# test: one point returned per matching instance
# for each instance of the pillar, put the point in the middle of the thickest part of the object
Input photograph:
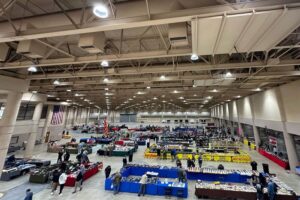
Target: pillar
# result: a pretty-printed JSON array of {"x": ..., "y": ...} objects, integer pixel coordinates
[
  {"x": 66, "y": 116},
  {"x": 74, "y": 116},
  {"x": 35, "y": 127},
  {"x": 7, "y": 123},
  {"x": 88, "y": 116},
  {"x": 255, "y": 131},
  {"x": 288, "y": 139},
  {"x": 47, "y": 122},
  {"x": 240, "y": 129}
]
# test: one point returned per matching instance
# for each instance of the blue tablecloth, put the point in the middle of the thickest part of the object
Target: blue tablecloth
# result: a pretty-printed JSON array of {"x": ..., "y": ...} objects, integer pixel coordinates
[
  {"x": 234, "y": 178},
  {"x": 139, "y": 171},
  {"x": 161, "y": 189},
  {"x": 151, "y": 189}
]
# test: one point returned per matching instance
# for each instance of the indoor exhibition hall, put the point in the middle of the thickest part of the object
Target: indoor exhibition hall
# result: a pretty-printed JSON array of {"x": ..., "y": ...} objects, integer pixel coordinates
[{"x": 149, "y": 99}]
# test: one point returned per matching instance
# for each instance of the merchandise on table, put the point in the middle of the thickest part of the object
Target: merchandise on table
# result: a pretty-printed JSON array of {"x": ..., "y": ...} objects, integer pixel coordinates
[
  {"x": 9, "y": 173},
  {"x": 281, "y": 162},
  {"x": 42, "y": 175},
  {"x": 248, "y": 192}
]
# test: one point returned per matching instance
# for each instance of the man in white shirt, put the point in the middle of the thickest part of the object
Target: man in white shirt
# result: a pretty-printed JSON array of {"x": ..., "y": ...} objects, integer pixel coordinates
[
  {"x": 62, "y": 180},
  {"x": 143, "y": 183}
]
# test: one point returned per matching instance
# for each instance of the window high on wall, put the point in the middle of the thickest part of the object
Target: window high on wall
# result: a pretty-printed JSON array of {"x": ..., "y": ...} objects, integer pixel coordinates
[
  {"x": 2, "y": 107},
  {"x": 26, "y": 111}
]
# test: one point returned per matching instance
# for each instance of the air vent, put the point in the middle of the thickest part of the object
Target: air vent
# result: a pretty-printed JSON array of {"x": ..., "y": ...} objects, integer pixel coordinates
[
  {"x": 92, "y": 42},
  {"x": 31, "y": 49},
  {"x": 178, "y": 34}
]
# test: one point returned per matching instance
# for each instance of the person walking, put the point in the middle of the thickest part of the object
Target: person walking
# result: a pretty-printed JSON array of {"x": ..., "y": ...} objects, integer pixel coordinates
[
  {"x": 60, "y": 155},
  {"x": 200, "y": 160},
  {"x": 178, "y": 163},
  {"x": 55, "y": 178},
  {"x": 107, "y": 171},
  {"x": 271, "y": 190},
  {"x": 259, "y": 192},
  {"x": 29, "y": 195},
  {"x": 67, "y": 156},
  {"x": 130, "y": 156},
  {"x": 143, "y": 183},
  {"x": 158, "y": 151},
  {"x": 124, "y": 161},
  {"x": 62, "y": 180},
  {"x": 79, "y": 181},
  {"x": 181, "y": 175},
  {"x": 116, "y": 182}
]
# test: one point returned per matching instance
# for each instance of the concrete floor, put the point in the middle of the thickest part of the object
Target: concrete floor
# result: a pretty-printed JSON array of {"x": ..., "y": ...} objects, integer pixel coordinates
[{"x": 94, "y": 187}]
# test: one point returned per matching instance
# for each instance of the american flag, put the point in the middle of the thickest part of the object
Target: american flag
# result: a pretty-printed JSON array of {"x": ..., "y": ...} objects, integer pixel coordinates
[
  {"x": 105, "y": 127},
  {"x": 58, "y": 115}
]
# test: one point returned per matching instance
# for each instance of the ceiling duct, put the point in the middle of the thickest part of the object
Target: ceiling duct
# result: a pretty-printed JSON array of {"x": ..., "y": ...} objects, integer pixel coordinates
[
  {"x": 178, "y": 34},
  {"x": 92, "y": 42},
  {"x": 3, "y": 51},
  {"x": 32, "y": 49},
  {"x": 214, "y": 82}
]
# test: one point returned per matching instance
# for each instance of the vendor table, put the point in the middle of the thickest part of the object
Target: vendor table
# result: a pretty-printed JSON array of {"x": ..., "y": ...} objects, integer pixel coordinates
[
  {"x": 222, "y": 194},
  {"x": 8, "y": 174},
  {"x": 274, "y": 158},
  {"x": 151, "y": 189},
  {"x": 232, "y": 178},
  {"x": 89, "y": 173},
  {"x": 97, "y": 140},
  {"x": 139, "y": 171}
]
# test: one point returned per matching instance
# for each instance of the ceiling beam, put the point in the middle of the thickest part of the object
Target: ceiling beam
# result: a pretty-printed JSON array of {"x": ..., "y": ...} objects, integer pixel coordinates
[{"x": 140, "y": 20}]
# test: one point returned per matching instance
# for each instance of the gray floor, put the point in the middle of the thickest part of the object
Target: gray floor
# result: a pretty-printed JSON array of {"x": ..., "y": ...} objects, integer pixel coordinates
[{"x": 94, "y": 187}]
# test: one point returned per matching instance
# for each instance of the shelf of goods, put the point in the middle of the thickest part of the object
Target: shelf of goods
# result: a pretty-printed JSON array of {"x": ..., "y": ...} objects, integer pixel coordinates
[
  {"x": 72, "y": 148},
  {"x": 252, "y": 144},
  {"x": 282, "y": 163},
  {"x": 155, "y": 186},
  {"x": 232, "y": 191},
  {"x": 207, "y": 174},
  {"x": 182, "y": 154}
]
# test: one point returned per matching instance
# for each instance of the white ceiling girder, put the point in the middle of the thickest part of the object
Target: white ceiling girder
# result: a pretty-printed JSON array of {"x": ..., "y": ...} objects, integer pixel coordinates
[
  {"x": 99, "y": 58},
  {"x": 166, "y": 69},
  {"x": 128, "y": 16}
]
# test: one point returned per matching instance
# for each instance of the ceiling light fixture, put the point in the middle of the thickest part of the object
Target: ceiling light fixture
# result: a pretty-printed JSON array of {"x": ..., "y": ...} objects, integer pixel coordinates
[
  {"x": 228, "y": 74},
  {"x": 100, "y": 11},
  {"x": 106, "y": 89},
  {"x": 194, "y": 57},
  {"x": 258, "y": 89},
  {"x": 32, "y": 69},
  {"x": 148, "y": 87},
  {"x": 68, "y": 90},
  {"x": 104, "y": 63},
  {"x": 239, "y": 96},
  {"x": 34, "y": 92},
  {"x": 162, "y": 77},
  {"x": 105, "y": 80},
  {"x": 56, "y": 82},
  {"x": 215, "y": 90}
]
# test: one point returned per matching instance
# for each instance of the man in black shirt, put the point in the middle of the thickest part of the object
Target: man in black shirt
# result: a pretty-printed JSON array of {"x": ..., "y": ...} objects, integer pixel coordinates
[{"x": 79, "y": 181}]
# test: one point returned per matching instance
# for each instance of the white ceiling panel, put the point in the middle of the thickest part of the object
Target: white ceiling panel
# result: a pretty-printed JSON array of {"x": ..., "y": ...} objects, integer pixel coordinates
[
  {"x": 208, "y": 29},
  {"x": 234, "y": 26},
  {"x": 260, "y": 24},
  {"x": 284, "y": 26}
]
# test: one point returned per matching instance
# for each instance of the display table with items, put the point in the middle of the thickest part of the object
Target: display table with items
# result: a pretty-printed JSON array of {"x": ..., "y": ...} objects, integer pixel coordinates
[
  {"x": 208, "y": 174},
  {"x": 97, "y": 140},
  {"x": 115, "y": 150},
  {"x": 42, "y": 175},
  {"x": 71, "y": 147},
  {"x": 233, "y": 191},
  {"x": 14, "y": 167},
  {"x": 157, "y": 182},
  {"x": 252, "y": 143},
  {"x": 90, "y": 170},
  {"x": 282, "y": 163},
  {"x": 237, "y": 157}
]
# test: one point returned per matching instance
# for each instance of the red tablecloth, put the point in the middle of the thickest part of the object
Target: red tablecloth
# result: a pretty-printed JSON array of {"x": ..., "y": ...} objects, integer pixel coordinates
[
  {"x": 89, "y": 173},
  {"x": 120, "y": 142},
  {"x": 278, "y": 161}
]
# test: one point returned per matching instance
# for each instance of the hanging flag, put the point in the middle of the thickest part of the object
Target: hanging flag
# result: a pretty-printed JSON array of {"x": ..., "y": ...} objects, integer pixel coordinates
[
  {"x": 105, "y": 127},
  {"x": 58, "y": 115}
]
